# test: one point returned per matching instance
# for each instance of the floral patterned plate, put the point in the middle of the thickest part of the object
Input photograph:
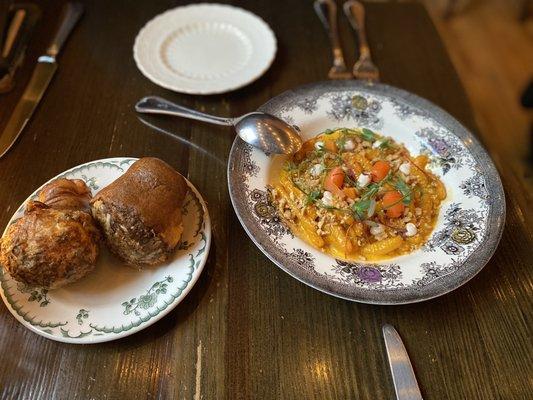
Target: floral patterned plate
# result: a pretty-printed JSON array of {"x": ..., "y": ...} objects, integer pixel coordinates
[
  {"x": 114, "y": 300},
  {"x": 471, "y": 219}
]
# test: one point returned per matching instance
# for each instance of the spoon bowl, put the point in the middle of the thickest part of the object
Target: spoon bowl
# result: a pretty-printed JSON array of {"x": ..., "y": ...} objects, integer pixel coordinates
[
  {"x": 264, "y": 131},
  {"x": 268, "y": 133}
]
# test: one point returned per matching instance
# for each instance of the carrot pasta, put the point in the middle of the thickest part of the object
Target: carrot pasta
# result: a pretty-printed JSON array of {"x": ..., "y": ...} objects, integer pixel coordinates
[{"x": 356, "y": 194}]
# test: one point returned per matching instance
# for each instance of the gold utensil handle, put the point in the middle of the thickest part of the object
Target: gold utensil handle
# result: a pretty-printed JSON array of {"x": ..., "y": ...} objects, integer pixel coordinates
[
  {"x": 355, "y": 12},
  {"x": 327, "y": 12},
  {"x": 71, "y": 14},
  {"x": 13, "y": 31}
]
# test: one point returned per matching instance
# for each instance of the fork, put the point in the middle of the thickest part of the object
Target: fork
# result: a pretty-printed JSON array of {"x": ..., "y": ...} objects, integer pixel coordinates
[
  {"x": 364, "y": 68},
  {"x": 327, "y": 12}
]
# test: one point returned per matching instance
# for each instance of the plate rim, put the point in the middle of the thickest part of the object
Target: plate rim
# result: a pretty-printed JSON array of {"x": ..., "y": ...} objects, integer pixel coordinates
[
  {"x": 179, "y": 89},
  {"x": 108, "y": 337},
  {"x": 497, "y": 206}
]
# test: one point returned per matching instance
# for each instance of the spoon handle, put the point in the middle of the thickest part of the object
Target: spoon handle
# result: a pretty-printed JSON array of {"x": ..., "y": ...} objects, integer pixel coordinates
[{"x": 158, "y": 105}]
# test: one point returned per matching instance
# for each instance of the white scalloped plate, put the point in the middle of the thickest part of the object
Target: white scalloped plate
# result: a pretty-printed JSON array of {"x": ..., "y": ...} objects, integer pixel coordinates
[
  {"x": 204, "y": 48},
  {"x": 114, "y": 300}
]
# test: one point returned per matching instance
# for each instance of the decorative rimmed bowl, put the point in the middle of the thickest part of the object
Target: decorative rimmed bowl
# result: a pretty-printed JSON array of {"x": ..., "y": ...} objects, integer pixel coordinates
[
  {"x": 471, "y": 218},
  {"x": 114, "y": 300}
]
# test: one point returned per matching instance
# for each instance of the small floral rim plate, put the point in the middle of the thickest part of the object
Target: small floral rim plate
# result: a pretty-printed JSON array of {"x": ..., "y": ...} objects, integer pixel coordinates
[
  {"x": 204, "y": 48},
  {"x": 471, "y": 218},
  {"x": 114, "y": 300}
]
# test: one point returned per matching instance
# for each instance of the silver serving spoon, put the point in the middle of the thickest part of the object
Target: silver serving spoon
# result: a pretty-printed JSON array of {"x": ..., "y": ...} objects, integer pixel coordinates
[{"x": 261, "y": 130}]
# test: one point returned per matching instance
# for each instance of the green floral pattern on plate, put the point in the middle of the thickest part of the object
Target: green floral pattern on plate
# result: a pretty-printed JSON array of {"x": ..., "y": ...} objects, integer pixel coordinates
[
  {"x": 147, "y": 300},
  {"x": 84, "y": 326},
  {"x": 36, "y": 294},
  {"x": 82, "y": 314}
]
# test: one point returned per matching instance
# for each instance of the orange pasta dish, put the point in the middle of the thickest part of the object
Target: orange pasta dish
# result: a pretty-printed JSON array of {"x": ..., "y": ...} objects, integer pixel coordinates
[{"x": 355, "y": 194}]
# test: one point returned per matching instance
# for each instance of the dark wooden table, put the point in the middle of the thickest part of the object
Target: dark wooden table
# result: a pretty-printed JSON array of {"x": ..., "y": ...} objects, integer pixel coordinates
[{"x": 247, "y": 329}]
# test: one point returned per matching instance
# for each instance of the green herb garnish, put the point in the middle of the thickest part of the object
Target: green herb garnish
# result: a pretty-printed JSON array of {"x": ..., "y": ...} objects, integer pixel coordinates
[
  {"x": 312, "y": 196},
  {"x": 385, "y": 144},
  {"x": 360, "y": 208},
  {"x": 290, "y": 166},
  {"x": 317, "y": 153},
  {"x": 404, "y": 189},
  {"x": 368, "y": 135},
  {"x": 371, "y": 191},
  {"x": 349, "y": 180},
  {"x": 340, "y": 142}
]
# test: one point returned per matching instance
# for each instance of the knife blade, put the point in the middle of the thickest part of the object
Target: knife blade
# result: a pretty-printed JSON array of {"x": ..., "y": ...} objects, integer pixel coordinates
[
  {"x": 41, "y": 77},
  {"x": 403, "y": 375}
]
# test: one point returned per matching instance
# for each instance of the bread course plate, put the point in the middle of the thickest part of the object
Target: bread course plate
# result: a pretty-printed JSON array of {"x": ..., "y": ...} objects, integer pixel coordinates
[
  {"x": 471, "y": 218},
  {"x": 114, "y": 300}
]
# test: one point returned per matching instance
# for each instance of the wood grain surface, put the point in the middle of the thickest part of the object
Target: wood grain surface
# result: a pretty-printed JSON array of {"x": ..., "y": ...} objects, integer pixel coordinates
[{"x": 248, "y": 330}]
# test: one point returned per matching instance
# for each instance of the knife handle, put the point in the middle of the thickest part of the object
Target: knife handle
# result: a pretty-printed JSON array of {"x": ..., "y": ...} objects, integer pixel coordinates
[
  {"x": 72, "y": 12},
  {"x": 13, "y": 31}
]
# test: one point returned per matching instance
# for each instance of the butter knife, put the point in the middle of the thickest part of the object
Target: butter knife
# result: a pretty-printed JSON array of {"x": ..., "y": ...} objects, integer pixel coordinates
[
  {"x": 40, "y": 79},
  {"x": 403, "y": 376}
]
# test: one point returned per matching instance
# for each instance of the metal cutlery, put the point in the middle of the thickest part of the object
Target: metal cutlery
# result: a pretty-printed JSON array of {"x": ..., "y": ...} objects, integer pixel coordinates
[
  {"x": 11, "y": 35},
  {"x": 21, "y": 19},
  {"x": 327, "y": 12},
  {"x": 261, "y": 130},
  {"x": 403, "y": 376},
  {"x": 13, "y": 30},
  {"x": 42, "y": 75},
  {"x": 364, "y": 68}
]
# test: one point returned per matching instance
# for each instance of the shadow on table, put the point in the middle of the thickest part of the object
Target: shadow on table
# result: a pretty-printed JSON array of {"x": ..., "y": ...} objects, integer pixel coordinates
[{"x": 162, "y": 125}]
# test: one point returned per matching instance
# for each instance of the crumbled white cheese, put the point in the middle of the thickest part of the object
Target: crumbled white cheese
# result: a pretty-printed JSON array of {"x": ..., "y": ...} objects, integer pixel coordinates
[
  {"x": 319, "y": 145},
  {"x": 349, "y": 145},
  {"x": 376, "y": 144},
  {"x": 327, "y": 198},
  {"x": 411, "y": 229},
  {"x": 316, "y": 169},
  {"x": 363, "y": 180},
  {"x": 405, "y": 168},
  {"x": 377, "y": 230}
]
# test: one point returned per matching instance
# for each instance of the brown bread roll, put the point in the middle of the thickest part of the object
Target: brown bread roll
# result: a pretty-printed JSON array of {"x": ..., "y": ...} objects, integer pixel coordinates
[
  {"x": 140, "y": 212},
  {"x": 54, "y": 243},
  {"x": 66, "y": 194}
]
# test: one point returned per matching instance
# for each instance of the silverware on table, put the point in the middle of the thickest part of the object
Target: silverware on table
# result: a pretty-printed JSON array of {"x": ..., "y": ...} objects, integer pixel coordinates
[
  {"x": 327, "y": 12},
  {"x": 364, "y": 68},
  {"x": 40, "y": 79},
  {"x": 12, "y": 32},
  {"x": 20, "y": 20},
  {"x": 261, "y": 130},
  {"x": 403, "y": 376},
  {"x": 14, "y": 28}
]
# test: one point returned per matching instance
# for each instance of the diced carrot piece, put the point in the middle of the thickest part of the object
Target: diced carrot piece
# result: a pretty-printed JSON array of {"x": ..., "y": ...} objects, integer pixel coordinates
[
  {"x": 379, "y": 171},
  {"x": 334, "y": 181},
  {"x": 330, "y": 145},
  {"x": 392, "y": 203},
  {"x": 335, "y": 177},
  {"x": 350, "y": 192}
]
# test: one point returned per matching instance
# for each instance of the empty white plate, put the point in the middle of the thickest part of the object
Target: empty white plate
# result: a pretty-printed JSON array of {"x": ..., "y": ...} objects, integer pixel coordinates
[{"x": 204, "y": 48}]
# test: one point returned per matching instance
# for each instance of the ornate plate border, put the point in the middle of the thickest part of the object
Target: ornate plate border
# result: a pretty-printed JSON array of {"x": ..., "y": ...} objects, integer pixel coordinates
[
  {"x": 96, "y": 333},
  {"x": 290, "y": 262}
]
